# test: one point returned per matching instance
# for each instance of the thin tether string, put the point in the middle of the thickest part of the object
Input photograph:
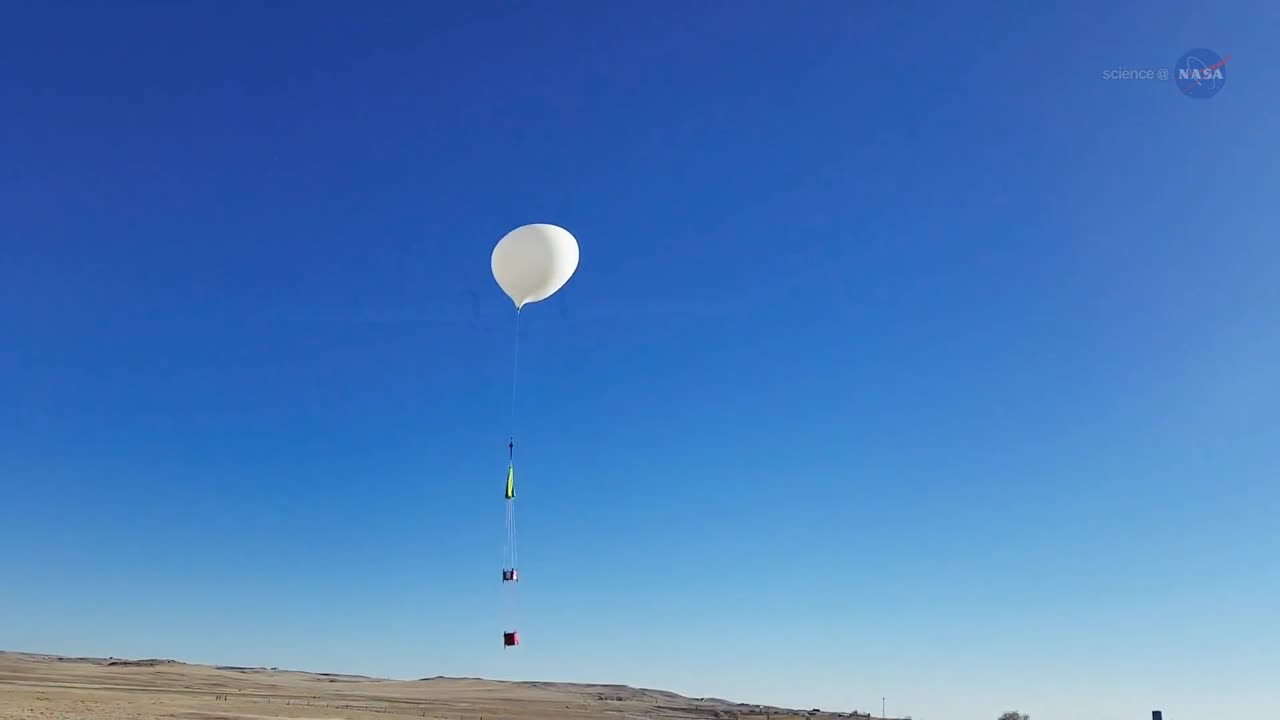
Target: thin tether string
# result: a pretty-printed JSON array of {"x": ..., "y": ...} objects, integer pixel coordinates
[
  {"x": 511, "y": 442},
  {"x": 515, "y": 376},
  {"x": 510, "y": 559}
]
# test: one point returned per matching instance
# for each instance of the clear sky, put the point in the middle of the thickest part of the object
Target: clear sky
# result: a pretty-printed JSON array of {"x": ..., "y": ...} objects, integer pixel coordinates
[{"x": 907, "y": 356}]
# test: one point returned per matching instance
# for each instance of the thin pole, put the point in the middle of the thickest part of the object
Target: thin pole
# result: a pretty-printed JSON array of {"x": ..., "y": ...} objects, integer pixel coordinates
[{"x": 882, "y": 715}]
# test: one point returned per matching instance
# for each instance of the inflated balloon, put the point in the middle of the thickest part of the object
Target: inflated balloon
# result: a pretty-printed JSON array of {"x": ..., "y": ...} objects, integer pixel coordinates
[{"x": 532, "y": 262}]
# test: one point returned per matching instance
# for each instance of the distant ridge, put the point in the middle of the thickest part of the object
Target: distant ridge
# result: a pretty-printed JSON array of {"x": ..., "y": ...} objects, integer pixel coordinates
[
  {"x": 445, "y": 689},
  {"x": 150, "y": 662}
]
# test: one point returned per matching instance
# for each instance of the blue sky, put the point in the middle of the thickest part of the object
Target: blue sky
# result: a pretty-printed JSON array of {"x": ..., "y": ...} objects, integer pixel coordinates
[{"x": 907, "y": 357}]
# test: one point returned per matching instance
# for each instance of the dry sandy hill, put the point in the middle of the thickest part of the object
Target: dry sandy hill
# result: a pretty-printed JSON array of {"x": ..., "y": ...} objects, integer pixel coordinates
[{"x": 48, "y": 686}]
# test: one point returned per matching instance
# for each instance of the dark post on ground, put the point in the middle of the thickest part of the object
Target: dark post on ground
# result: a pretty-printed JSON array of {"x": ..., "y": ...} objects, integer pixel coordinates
[{"x": 1157, "y": 715}]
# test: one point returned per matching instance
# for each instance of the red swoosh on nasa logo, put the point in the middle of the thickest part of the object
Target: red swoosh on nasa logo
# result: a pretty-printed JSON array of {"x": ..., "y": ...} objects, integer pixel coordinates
[{"x": 1214, "y": 66}]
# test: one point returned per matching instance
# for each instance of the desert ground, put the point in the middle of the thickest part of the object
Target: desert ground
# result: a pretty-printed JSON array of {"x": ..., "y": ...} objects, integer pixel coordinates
[{"x": 53, "y": 687}]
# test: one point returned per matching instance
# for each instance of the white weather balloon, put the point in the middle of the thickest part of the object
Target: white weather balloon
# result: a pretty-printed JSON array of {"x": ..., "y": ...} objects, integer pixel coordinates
[{"x": 532, "y": 262}]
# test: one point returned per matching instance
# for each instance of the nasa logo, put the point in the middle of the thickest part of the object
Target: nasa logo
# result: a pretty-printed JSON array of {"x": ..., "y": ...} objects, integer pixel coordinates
[{"x": 1200, "y": 73}]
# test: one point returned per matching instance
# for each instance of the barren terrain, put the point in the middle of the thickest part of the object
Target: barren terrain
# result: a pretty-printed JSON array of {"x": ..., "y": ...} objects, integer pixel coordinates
[{"x": 46, "y": 686}]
